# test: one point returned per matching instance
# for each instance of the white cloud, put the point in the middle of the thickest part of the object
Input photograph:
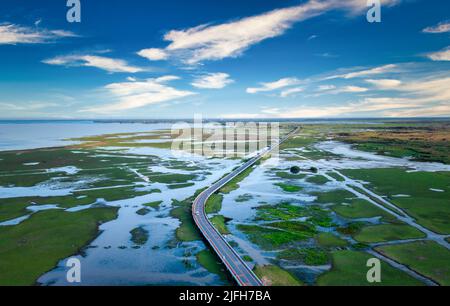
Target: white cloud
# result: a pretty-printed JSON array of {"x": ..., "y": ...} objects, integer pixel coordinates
[
  {"x": 385, "y": 83},
  {"x": 360, "y": 6},
  {"x": 63, "y": 33},
  {"x": 364, "y": 73},
  {"x": 271, "y": 111},
  {"x": 213, "y": 81},
  {"x": 326, "y": 87},
  {"x": 216, "y": 42},
  {"x": 12, "y": 34},
  {"x": 291, "y": 92},
  {"x": 350, "y": 89},
  {"x": 333, "y": 90},
  {"x": 443, "y": 55},
  {"x": 101, "y": 62},
  {"x": 426, "y": 90},
  {"x": 282, "y": 83},
  {"x": 136, "y": 94},
  {"x": 441, "y": 110},
  {"x": 442, "y": 27},
  {"x": 153, "y": 54}
]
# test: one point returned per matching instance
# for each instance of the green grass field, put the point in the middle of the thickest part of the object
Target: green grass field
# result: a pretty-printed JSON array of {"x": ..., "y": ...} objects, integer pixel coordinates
[
  {"x": 211, "y": 263},
  {"x": 214, "y": 204},
  {"x": 429, "y": 207},
  {"x": 34, "y": 247},
  {"x": 360, "y": 208},
  {"x": 387, "y": 232},
  {"x": 426, "y": 257},
  {"x": 275, "y": 276},
  {"x": 317, "y": 179},
  {"x": 307, "y": 256},
  {"x": 220, "y": 223},
  {"x": 350, "y": 269},
  {"x": 337, "y": 196},
  {"x": 270, "y": 239},
  {"x": 187, "y": 231},
  {"x": 329, "y": 240}
]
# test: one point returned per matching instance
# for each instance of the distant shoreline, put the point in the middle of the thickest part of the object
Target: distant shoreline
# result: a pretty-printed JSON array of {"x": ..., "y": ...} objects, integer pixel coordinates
[{"x": 154, "y": 121}]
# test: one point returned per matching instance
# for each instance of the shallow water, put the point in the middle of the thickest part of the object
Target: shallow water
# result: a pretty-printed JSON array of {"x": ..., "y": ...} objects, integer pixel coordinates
[
  {"x": 21, "y": 136},
  {"x": 113, "y": 259},
  {"x": 355, "y": 159}
]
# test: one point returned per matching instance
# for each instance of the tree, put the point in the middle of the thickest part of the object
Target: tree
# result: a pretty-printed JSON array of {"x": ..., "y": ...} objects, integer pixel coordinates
[{"x": 295, "y": 170}]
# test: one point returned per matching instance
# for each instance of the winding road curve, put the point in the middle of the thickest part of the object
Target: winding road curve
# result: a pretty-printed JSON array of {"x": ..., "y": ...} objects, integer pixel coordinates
[{"x": 234, "y": 263}]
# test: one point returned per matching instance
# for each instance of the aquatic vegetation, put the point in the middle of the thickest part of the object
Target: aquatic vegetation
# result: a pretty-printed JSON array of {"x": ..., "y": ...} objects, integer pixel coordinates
[
  {"x": 154, "y": 205},
  {"x": 289, "y": 188},
  {"x": 143, "y": 211},
  {"x": 139, "y": 236},
  {"x": 247, "y": 258},
  {"x": 214, "y": 204},
  {"x": 307, "y": 256},
  {"x": 181, "y": 186},
  {"x": 171, "y": 178},
  {"x": 329, "y": 240},
  {"x": 318, "y": 179},
  {"x": 220, "y": 222},
  {"x": 270, "y": 239},
  {"x": 244, "y": 198},
  {"x": 111, "y": 194},
  {"x": 282, "y": 211},
  {"x": 211, "y": 263},
  {"x": 287, "y": 175}
]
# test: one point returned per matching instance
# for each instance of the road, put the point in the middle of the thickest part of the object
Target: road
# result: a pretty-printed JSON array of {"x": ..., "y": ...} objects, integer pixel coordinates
[{"x": 234, "y": 263}]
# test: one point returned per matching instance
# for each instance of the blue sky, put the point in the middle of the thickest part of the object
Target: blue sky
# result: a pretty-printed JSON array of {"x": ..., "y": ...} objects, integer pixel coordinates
[{"x": 224, "y": 59}]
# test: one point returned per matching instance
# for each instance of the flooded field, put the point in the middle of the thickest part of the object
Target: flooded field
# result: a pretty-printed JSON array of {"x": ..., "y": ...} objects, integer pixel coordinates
[{"x": 121, "y": 201}]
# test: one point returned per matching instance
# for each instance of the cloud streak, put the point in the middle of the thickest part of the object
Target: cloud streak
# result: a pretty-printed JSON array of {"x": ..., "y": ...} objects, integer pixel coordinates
[
  {"x": 443, "y": 55},
  {"x": 271, "y": 86},
  {"x": 443, "y": 27},
  {"x": 229, "y": 40},
  {"x": 137, "y": 94},
  {"x": 12, "y": 34},
  {"x": 213, "y": 81},
  {"x": 364, "y": 73},
  {"x": 111, "y": 65}
]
